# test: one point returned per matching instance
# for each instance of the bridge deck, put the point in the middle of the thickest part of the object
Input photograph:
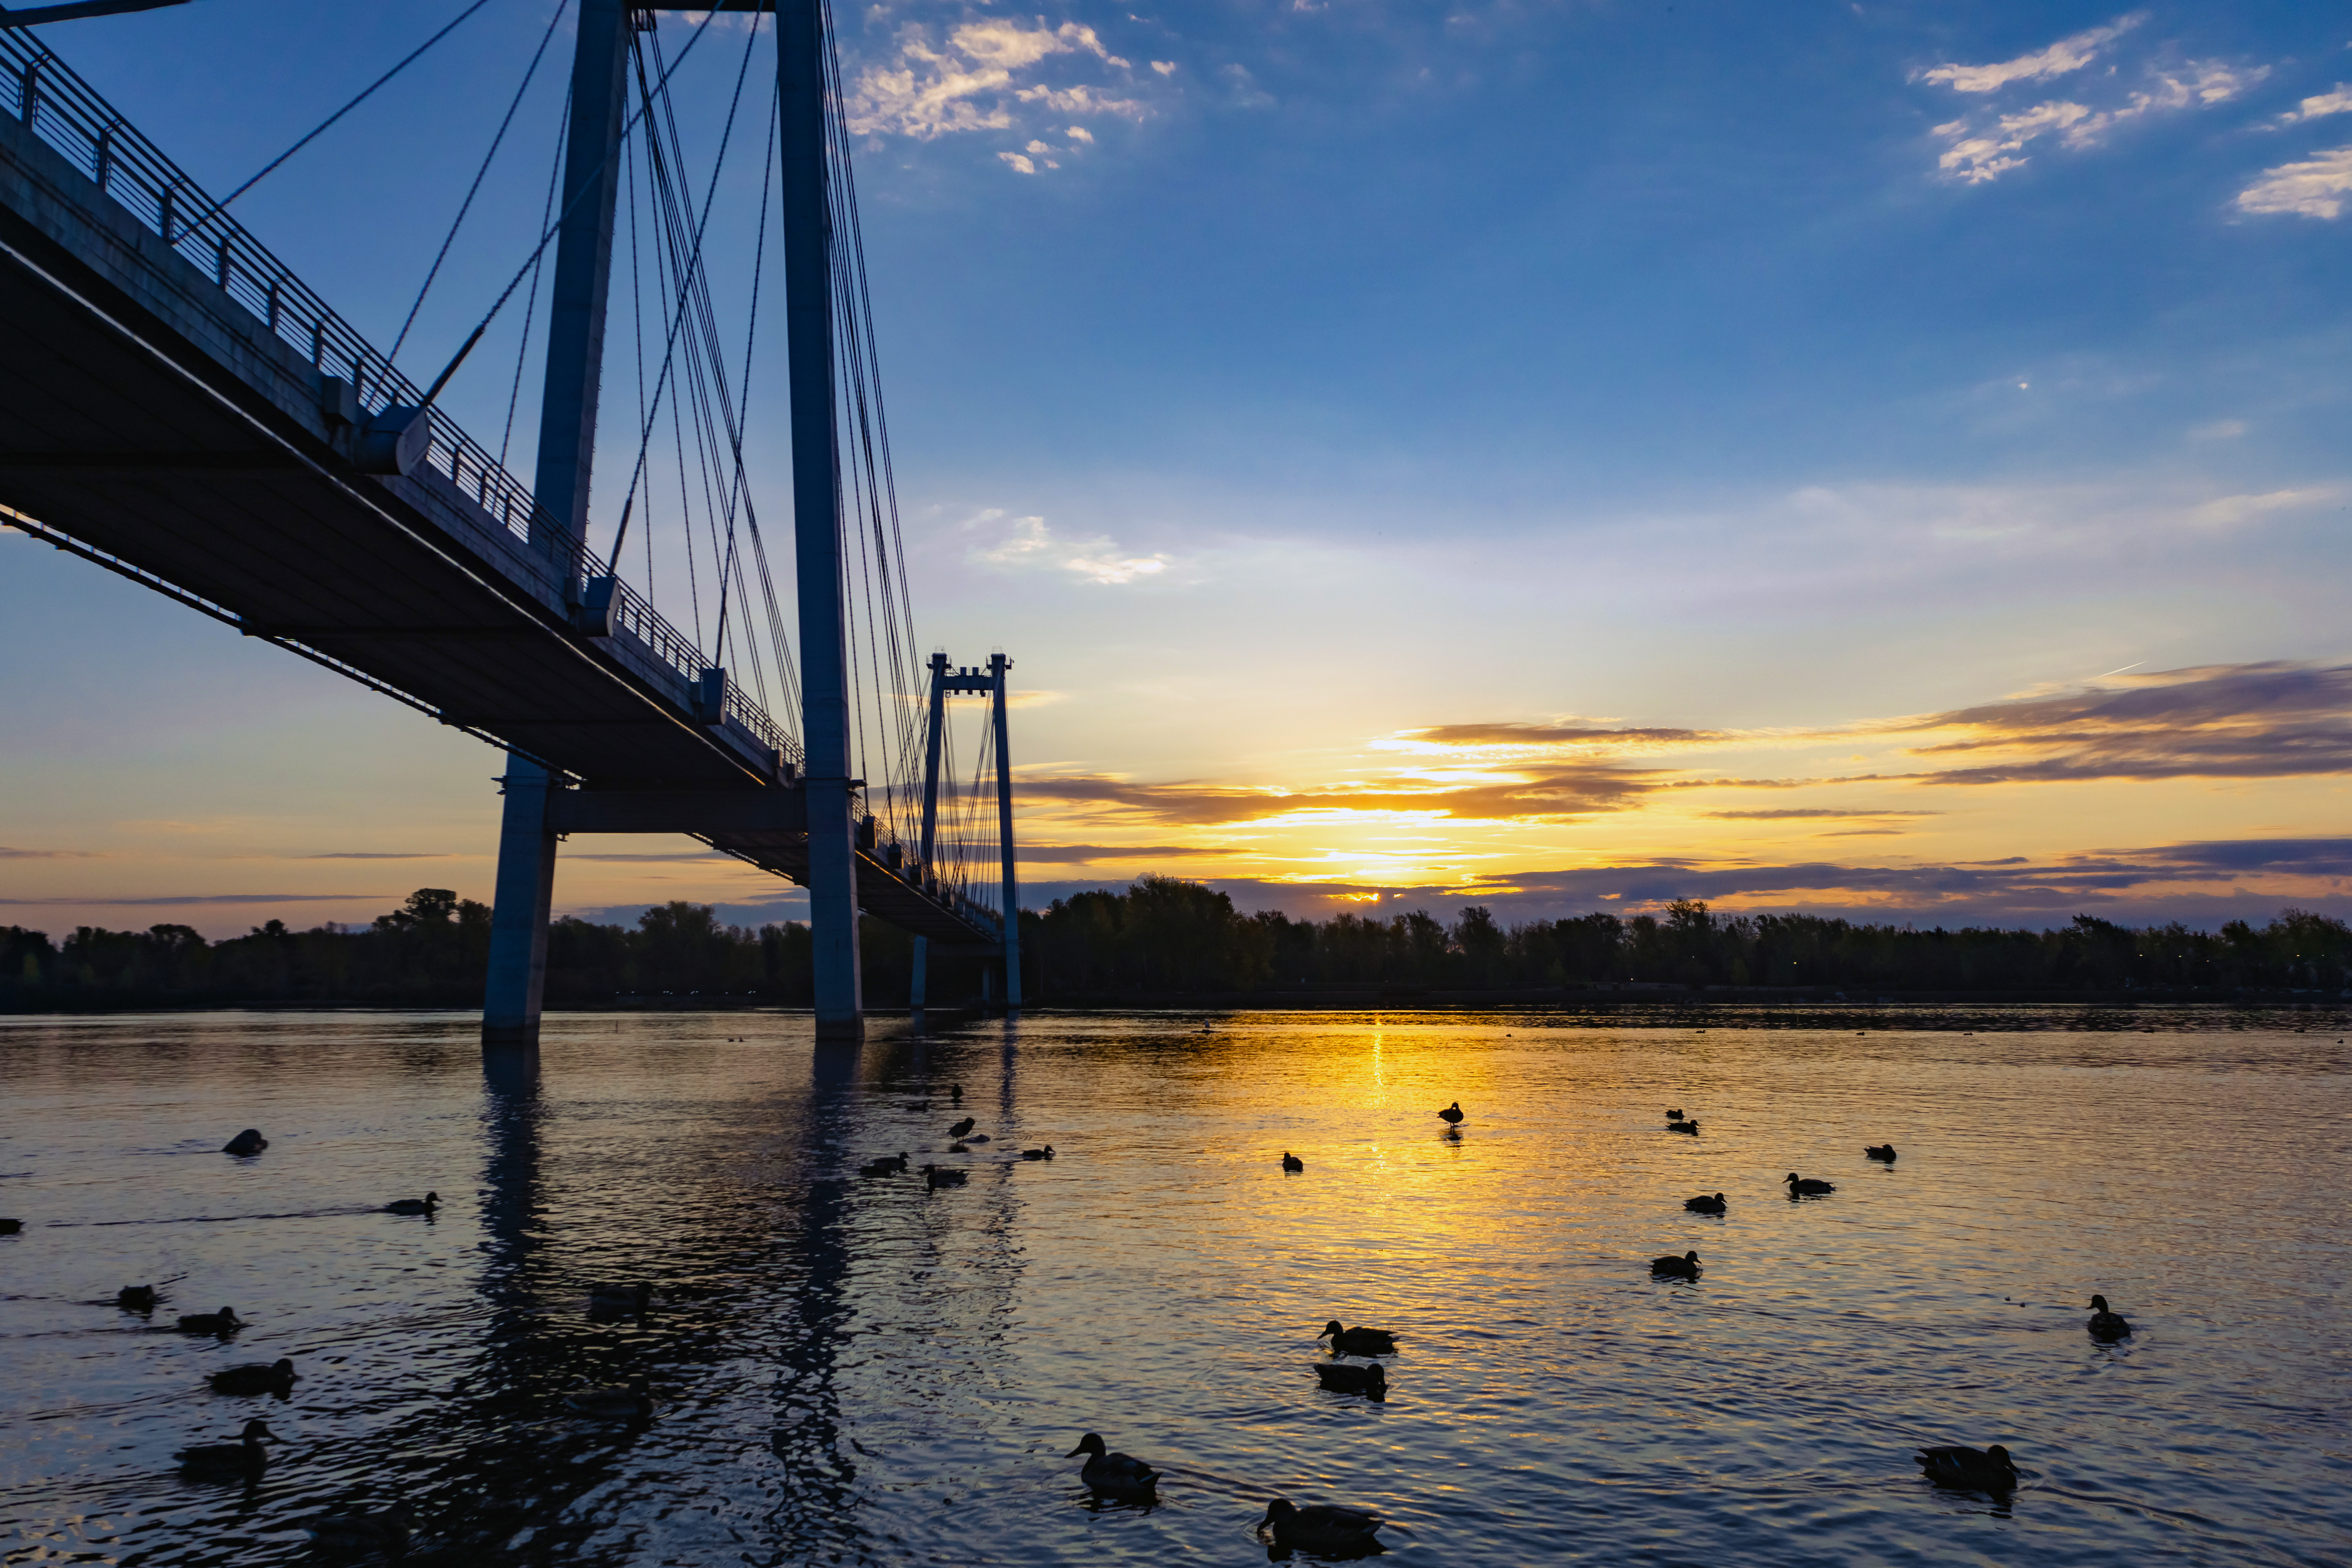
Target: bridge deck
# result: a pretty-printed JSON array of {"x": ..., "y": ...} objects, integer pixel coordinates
[{"x": 150, "y": 417}]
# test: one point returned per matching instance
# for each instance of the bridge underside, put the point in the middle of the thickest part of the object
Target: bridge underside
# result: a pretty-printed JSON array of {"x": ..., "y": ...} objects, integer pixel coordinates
[{"x": 164, "y": 429}]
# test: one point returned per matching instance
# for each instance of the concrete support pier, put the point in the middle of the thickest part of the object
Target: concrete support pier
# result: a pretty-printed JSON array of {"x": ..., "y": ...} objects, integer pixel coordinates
[{"x": 526, "y": 891}]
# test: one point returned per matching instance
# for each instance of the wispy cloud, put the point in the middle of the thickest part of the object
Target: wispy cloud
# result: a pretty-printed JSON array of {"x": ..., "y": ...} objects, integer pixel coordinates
[
  {"x": 1804, "y": 814},
  {"x": 971, "y": 78},
  {"x": 1125, "y": 854},
  {"x": 2337, "y": 100},
  {"x": 8, "y": 854},
  {"x": 2315, "y": 187},
  {"x": 384, "y": 855},
  {"x": 2061, "y": 59},
  {"x": 1028, "y": 544}
]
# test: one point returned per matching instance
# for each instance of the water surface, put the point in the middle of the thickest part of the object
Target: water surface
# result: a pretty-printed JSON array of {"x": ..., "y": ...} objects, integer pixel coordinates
[{"x": 855, "y": 1369}]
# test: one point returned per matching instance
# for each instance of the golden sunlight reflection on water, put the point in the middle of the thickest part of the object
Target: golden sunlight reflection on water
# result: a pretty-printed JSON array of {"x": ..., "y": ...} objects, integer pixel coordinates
[{"x": 856, "y": 1369}]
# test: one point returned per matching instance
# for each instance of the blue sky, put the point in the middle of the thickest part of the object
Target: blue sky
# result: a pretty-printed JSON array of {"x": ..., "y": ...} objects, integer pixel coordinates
[{"x": 1295, "y": 389}]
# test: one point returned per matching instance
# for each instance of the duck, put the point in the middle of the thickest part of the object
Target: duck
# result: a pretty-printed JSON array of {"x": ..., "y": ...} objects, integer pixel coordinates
[
  {"x": 253, "y": 1377},
  {"x": 631, "y": 1404},
  {"x": 633, "y": 1298},
  {"x": 2104, "y": 1324},
  {"x": 887, "y": 1165},
  {"x": 961, "y": 1128},
  {"x": 243, "y": 1457},
  {"x": 1806, "y": 1186},
  {"x": 1704, "y": 1205},
  {"x": 1880, "y": 1151},
  {"x": 1348, "y": 1377},
  {"x": 1675, "y": 1114},
  {"x": 1980, "y": 1470},
  {"x": 362, "y": 1531},
  {"x": 11, "y": 1226},
  {"x": 938, "y": 1176},
  {"x": 1689, "y": 1127},
  {"x": 249, "y": 1141},
  {"x": 224, "y": 1322},
  {"x": 955, "y": 1092},
  {"x": 1319, "y": 1527},
  {"x": 1359, "y": 1342},
  {"x": 1108, "y": 1472},
  {"x": 1045, "y": 1154},
  {"x": 1683, "y": 1267},
  {"x": 1291, "y": 1162},
  {"x": 423, "y": 1205},
  {"x": 136, "y": 1298},
  {"x": 1452, "y": 1114}
]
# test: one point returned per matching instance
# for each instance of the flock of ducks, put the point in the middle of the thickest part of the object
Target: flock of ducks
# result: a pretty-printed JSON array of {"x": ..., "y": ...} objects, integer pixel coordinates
[{"x": 1989, "y": 1470}]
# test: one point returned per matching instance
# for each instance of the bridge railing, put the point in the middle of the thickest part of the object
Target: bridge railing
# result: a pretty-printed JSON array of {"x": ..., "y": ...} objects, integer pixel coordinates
[{"x": 57, "y": 106}]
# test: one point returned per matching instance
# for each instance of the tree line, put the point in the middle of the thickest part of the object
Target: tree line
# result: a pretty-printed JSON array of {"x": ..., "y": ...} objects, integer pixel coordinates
[{"x": 1163, "y": 937}]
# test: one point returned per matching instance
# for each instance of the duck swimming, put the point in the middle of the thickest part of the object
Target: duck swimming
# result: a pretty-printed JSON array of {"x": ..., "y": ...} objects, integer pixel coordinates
[
  {"x": 938, "y": 1176},
  {"x": 887, "y": 1165},
  {"x": 631, "y": 1404},
  {"x": 1806, "y": 1186},
  {"x": 361, "y": 1531},
  {"x": 249, "y": 1141},
  {"x": 1976, "y": 1469},
  {"x": 244, "y": 1457},
  {"x": 136, "y": 1298},
  {"x": 224, "y": 1322},
  {"x": 1108, "y": 1472},
  {"x": 1359, "y": 1342},
  {"x": 253, "y": 1377},
  {"x": 2104, "y": 1324},
  {"x": 1673, "y": 1268},
  {"x": 1349, "y": 1378},
  {"x": 1689, "y": 1127},
  {"x": 423, "y": 1205},
  {"x": 1452, "y": 1114},
  {"x": 1881, "y": 1152},
  {"x": 1045, "y": 1154},
  {"x": 961, "y": 1128},
  {"x": 1704, "y": 1205},
  {"x": 1291, "y": 1162},
  {"x": 1319, "y": 1527},
  {"x": 11, "y": 1226},
  {"x": 1675, "y": 1114}
]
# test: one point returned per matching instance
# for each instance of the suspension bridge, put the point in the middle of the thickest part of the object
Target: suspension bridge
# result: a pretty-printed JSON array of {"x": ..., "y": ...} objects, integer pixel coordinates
[{"x": 178, "y": 407}]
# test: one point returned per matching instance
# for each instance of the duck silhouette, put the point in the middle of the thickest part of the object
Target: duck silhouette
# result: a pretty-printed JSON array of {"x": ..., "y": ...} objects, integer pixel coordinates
[
  {"x": 1673, "y": 1268},
  {"x": 136, "y": 1298},
  {"x": 255, "y": 1377},
  {"x": 1689, "y": 1127},
  {"x": 1108, "y": 1472},
  {"x": 2104, "y": 1324},
  {"x": 423, "y": 1205},
  {"x": 1881, "y": 1152},
  {"x": 1807, "y": 1187},
  {"x": 1975, "y": 1469},
  {"x": 1319, "y": 1527},
  {"x": 633, "y": 1403},
  {"x": 1704, "y": 1205},
  {"x": 1291, "y": 1162},
  {"x": 1675, "y": 1114},
  {"x": 11, "y": 1226},
  {"x": 1045, "y": 1154},
  {"x": 224, "y": 1322},
  {"x": 1358, "y": 1341},
  {"x": 241, "y": 1457},
  {"x": 961, "y": 1128},
  {"x": 938, "y": 1176},
  {"x": 887, "y": 1165},
  {"x": 1350, "y": 1377},
  {"x": 249, "y": 1141},
  {"x": 1452, "y": 1114}
]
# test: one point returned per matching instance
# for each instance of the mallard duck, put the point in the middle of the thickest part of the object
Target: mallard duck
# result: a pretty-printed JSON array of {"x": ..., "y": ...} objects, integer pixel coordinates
[
  {"x": 361, "y": 1531},
  {"x": 1349, "y": 1378},
  {"x": 1704, "y": 1205},
  {"x": 1806, "y": 1186},
  {"x": 1452, "y": 1114},
  {"x": 631, "y": 1404},
  {"x": 1881, "y": 1152},
  {"x": 253, "y": 1377},
  {"x": 938, "y": 1176},
  {"x": 136, "y": 1298},
  {"x": 1319, "y": 1527},
  {"x": 1683, "y": 1267},
  {"x": 620, "y": 1298},
  {"x": 2104, "y": 1324},
  {"x": 249, "y": 1141},
  {"x": 1108, "y": 1472},
  {"x": 1675, "y": 1114},
  {"x": 423, "y": 1205},
  {"x": 1291, "y": 1162},
  {"x": 243, "y": 1458},
  {"x": 1045, "y": 1154},
  {"x": 887, "y": 1165},
  {"x": 224, "y": 1322},
  {"x": 1978, "y": 1470},
  {"x": 1358, "y": 1341},
  {"x": 961, "y": 1128},
  {"x": 1689, "y": 1127}
]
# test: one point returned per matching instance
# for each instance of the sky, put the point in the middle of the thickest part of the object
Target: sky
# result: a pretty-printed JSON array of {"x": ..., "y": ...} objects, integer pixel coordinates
[{"x": 1879, "y": 458}]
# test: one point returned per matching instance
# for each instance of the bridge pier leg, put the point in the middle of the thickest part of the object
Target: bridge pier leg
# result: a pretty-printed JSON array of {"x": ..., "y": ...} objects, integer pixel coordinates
[
  {"x": 525, "y": 893},
  {"x": 922, "y": 962}
]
